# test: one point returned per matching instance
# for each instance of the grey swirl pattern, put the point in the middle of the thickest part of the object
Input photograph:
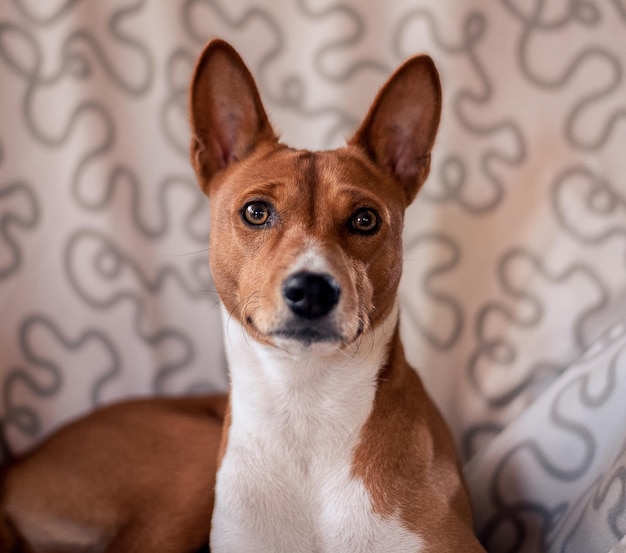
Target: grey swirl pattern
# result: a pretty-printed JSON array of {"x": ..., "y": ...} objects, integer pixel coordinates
[
  {"x": 515, "y": 251},
  {"x": 577, "y": 490},
  {"x": 49, "y": 380},
  {"x": 19, "y": 212}
]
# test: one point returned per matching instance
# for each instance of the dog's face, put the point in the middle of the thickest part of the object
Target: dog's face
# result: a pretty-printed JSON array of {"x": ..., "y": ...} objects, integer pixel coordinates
[{"x": 306, "y": 246}]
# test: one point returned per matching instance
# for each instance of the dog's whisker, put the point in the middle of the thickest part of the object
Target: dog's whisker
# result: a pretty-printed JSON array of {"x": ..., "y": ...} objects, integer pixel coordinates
[
  {"x": 230, "y": 317},
  {"x": 201, "y": 291},
  {"x": 186, "y": 254}
]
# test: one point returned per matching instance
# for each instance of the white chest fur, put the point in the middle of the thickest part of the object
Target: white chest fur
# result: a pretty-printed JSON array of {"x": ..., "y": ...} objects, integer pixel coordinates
[{"x": 285, "y": 484}]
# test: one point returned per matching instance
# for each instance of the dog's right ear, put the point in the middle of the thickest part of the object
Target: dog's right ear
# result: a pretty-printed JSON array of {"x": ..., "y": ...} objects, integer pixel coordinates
[
  {"x": 227, "y": 117},
  {"x": 399, "y": 131}
]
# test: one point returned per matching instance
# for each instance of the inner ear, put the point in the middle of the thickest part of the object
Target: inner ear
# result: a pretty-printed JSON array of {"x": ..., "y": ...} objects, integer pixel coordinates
[
  {"x": 399, "y": 131},
  {"x": 227, "y": 116}
]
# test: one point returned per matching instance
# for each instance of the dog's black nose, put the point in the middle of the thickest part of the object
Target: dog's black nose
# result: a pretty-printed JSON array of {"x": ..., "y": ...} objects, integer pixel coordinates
[{"x": 311, "y": 295}]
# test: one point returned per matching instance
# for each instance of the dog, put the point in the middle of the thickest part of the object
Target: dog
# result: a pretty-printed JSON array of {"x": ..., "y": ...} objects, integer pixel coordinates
[
  {"x": 331, "y": 443},
  {"x": 135, "y": 476}
]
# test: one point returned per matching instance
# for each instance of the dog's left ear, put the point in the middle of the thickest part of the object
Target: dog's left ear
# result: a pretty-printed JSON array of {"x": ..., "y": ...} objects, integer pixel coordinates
[
  {"x": 399, "y": 130},
  {"x": 227, "y": 116}
]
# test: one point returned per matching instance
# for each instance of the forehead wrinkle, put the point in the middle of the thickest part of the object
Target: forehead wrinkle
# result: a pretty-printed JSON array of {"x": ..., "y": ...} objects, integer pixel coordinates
[
  {"x": 274, "y": 176},
  {"x": 308, "y": 187},
  {"x": 340, "y": 184},
  {"x": 327, "y": 192}
]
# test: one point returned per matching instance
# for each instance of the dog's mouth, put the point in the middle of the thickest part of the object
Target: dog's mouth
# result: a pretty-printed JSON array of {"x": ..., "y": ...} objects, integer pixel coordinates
[{"x": 306, "y": 334}]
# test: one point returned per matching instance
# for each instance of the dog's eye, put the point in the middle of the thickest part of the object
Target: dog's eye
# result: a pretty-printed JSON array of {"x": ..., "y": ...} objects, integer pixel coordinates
[
  {"x": 256, "y": 213},
  {"x": 365, "y": 221}
]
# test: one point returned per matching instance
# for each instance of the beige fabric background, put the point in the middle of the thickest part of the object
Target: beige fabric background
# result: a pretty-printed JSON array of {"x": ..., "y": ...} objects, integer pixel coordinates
[{"x": 515, "y": 257}]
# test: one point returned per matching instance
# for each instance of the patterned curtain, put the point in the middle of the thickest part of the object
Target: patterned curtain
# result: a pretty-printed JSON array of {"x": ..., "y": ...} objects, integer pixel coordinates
[{"x": 514, "y": 289}]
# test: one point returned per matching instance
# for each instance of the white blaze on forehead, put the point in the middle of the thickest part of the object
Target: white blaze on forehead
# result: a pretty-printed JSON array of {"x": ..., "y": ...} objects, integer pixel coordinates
[{"x": 312, "y": 259}]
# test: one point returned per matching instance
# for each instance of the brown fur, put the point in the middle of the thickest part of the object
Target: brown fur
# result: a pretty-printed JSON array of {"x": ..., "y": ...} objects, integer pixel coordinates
[
  {"x": 139, "y": 476},
  {"x": 406, "y": 452},
  {"x": 134, "y": 476},
  {"x": 253, "y": 295},
  {"x": 406, "y": 456}
]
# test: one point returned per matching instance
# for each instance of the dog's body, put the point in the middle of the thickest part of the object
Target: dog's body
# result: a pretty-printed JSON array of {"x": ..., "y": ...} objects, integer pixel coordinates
[
  {"x": 332, "y": 444},
  {"x": 132, "y": 477}
]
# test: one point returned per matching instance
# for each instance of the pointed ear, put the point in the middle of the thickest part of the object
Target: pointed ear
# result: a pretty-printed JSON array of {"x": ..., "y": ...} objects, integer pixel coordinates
[
  {"x": 399, "y": 130},
  {"x": 227, "y": 117}
]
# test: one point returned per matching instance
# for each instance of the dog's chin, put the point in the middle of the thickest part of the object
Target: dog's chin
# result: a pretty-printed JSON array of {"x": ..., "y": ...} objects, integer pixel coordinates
[
  {"x": 306, "y": 348},
  {"x": 307, "y": 342}
]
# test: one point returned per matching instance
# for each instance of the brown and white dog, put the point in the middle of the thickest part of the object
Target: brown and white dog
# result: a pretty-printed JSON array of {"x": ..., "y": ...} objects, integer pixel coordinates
[
  {"x": 331, "y": 444},
  {"x": 134, "y": 477}
]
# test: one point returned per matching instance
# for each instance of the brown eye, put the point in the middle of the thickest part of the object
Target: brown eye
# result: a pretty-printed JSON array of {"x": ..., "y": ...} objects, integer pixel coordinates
[
  {"x": 365, "y": 221},
  {"x": 256, "y": 213}
]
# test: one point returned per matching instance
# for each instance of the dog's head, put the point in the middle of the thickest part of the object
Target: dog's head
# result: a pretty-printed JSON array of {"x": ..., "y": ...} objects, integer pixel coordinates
[{"x": 305, "y": 247}]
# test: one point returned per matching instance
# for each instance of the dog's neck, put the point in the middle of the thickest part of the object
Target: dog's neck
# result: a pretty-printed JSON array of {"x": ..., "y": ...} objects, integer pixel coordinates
[{"x": 305, "y": 396}]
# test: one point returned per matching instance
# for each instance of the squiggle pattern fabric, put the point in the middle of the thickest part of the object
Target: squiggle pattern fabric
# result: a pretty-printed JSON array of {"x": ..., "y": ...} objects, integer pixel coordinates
[{"x": 514, "y": 289}]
